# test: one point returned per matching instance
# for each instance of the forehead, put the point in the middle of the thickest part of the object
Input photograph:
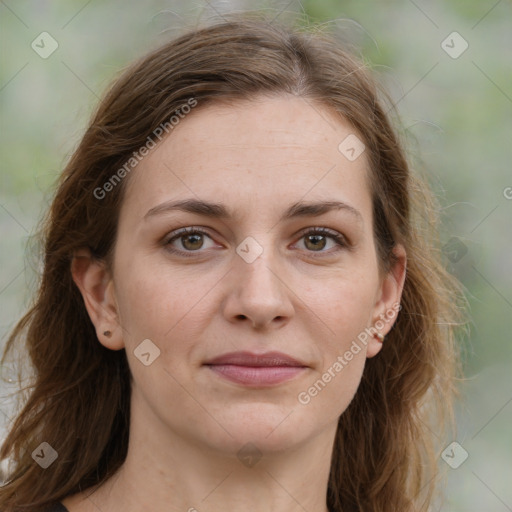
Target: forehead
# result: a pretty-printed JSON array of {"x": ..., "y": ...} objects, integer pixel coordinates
[{"x": 257, "y": 153}]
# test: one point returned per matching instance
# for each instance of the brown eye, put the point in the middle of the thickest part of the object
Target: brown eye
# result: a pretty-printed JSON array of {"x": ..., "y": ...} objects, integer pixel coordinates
[
  {"x": 315, "y": 240},
  {"x": 191, "y": 240}
]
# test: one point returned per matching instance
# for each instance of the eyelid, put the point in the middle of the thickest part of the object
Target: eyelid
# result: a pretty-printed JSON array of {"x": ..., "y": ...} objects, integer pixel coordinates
[
  {"x": 178, "y": 233},
  {"x": 184, "y": 231},
  {"x": 340, "y": 239},
  {"x": 325, "y": 231}
]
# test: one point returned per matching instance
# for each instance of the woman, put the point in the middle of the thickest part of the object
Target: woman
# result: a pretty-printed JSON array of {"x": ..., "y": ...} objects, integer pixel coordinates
[{"x": 242, "y": 304}]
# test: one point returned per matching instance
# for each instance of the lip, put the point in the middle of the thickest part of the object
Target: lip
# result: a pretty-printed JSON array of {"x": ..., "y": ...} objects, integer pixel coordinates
[{"x": 256, "y": 370}]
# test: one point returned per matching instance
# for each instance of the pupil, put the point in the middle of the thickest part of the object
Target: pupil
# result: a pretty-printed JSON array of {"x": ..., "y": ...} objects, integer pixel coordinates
[
  {"x": 198, "y": 240},
  {"x": 317, "y": 238}
]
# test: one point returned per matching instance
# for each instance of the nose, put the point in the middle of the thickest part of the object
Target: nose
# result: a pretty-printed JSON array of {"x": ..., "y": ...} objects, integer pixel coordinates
[{"x": 258, "y": 294}]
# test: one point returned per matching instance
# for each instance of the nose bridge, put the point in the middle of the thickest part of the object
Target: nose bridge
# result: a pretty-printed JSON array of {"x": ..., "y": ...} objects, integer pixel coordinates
[
  {"x": 257, "y": 268},
  {"x": 258, "y": 290}
]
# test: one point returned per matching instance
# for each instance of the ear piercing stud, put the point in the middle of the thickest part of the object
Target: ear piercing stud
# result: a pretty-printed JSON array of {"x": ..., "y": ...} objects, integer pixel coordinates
[
  {"x": 107, "y": 334},
  {"x": 380, "y": 336}
]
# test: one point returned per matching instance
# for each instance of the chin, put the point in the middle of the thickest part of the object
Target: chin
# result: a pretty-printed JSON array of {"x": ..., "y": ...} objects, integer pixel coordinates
[{"x": 268, "y": 427}]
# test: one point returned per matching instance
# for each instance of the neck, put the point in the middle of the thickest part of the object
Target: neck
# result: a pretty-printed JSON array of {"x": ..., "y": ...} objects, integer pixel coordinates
[{"x": 164, "y": 471}]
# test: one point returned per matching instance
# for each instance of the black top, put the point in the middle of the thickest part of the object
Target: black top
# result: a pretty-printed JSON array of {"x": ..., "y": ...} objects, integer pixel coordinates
[{"x": 58, "y": 507}]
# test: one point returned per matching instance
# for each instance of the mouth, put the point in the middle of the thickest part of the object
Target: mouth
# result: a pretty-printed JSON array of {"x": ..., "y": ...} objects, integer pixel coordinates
[{"x": 256, "y": 370}]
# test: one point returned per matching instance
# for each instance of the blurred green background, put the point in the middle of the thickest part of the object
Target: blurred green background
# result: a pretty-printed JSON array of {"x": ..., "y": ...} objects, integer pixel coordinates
[{"x": 456, "y": 115}]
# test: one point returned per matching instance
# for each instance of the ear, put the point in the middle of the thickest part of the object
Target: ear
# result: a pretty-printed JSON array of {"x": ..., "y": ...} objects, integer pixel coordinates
[
  {"x": 387, "y": 304},
  {"x": 97, "y": 289}
]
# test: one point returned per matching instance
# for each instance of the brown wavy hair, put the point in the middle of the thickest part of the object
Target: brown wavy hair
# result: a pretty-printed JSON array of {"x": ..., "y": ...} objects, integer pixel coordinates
[{"x": 384, "y": 458}]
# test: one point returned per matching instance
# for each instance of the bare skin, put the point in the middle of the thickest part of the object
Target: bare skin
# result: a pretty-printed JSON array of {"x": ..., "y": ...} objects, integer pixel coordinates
[{"x": 305, "y": 297}]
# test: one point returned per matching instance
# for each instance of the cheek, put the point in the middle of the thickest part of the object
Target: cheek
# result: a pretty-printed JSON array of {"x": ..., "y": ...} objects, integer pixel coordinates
[
  {"x": 156, "y": 306},
  {"x": 146, "y": 307},
  {"x": 166, "y": 307},
  {"x": 347, "y": 309},
  {"x": 152, "y": 301},
  {"x": 329, "y": 395},
  {"x": 347, "y": 306},
  {"x": 333, "y": 385}
]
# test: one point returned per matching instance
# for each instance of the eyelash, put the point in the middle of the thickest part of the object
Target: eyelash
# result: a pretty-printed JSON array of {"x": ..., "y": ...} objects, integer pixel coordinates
[{"x": 337, "y": 237}]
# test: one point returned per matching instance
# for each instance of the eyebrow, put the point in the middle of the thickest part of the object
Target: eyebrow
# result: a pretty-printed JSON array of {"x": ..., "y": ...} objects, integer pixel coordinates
[{"x": 218, "y": 210}]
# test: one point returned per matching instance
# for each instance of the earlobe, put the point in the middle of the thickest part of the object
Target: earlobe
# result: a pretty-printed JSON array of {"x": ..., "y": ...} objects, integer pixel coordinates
[
  {"x": 388, "y": 304},
  {"x": 374, "y": 346},
  {"x": 96, "y": 286}
]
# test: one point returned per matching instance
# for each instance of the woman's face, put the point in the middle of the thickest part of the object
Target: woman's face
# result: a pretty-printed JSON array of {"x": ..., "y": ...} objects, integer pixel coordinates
[{"x": 249, "y": 278}]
